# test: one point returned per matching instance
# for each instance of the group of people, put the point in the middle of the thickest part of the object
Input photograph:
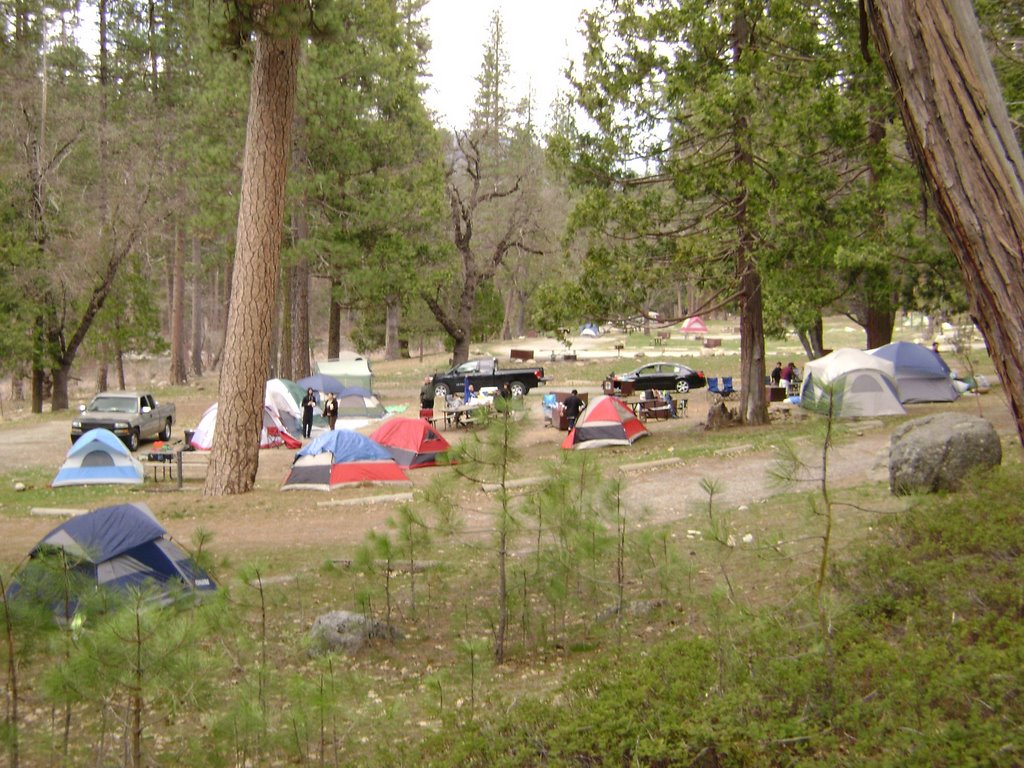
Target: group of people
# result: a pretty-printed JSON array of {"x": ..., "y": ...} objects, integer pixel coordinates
[
  {"x": 309, "y": 406},
  {"x": 784, "y": 376}
]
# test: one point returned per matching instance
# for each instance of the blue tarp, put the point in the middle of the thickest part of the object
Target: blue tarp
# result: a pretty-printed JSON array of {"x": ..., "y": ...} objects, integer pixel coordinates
[{"x": 345, "y": 445}]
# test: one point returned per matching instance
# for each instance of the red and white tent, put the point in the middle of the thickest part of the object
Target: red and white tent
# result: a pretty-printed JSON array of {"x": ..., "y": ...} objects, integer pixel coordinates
[
  {"x": 693, "y": 325},
  {"x": 411, "y": 442},
  {"x": 606, "y": 421}
]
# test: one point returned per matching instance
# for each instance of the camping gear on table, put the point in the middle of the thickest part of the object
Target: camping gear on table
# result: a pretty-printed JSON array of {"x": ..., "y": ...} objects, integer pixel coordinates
[
  {"x": 922, "y": 376},
  {"x": 341, "y": 457},
  {"x": 850, "y": 383},
  {"x": 121, "y": 547},
  {"x": 98, "y": 458},
  {"x": 607, "y": 421},
  {"x": 412, "y": 443}
]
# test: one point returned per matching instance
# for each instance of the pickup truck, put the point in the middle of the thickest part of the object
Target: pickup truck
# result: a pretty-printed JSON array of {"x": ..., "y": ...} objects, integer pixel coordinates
[
  {"x": 131, "y": 416},
  {"x": 485, "y": 373}
]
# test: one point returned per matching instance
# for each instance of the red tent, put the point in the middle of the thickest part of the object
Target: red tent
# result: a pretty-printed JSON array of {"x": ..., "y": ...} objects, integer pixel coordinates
[
  {"x": 340, "y": 457},
  {"x": 412, "y": 443},
  {"x": 606, "y": 421},
  {"x": 693, "y": 325}
]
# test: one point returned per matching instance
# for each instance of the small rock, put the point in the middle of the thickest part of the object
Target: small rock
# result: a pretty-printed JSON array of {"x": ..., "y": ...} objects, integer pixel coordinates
[{"x": 19, "y": 486}]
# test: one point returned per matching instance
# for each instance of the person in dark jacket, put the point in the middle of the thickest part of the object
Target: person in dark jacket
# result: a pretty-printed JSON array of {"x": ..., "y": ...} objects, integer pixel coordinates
[
  {"x": 308, "y": 406},
  {"x": 571, "y": 407},
  {"x": 427, "y": 393}
]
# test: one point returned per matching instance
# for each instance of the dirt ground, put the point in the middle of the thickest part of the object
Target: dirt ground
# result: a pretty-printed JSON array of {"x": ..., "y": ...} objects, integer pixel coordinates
[{"x": 330, "y": 525}]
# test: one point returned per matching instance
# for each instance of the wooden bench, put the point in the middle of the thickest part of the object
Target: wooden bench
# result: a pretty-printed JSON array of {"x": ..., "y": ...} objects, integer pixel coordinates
[
  {"x": 709, "y": 343},
  {"x": 521, "y": 354},
  {"x": 662, "y": 337}
]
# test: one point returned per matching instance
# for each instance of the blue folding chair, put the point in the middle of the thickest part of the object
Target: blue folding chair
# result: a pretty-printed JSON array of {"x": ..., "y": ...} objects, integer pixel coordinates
[
  {"x": 727, "y": 390},
  {"x": 714, "y": 393}
]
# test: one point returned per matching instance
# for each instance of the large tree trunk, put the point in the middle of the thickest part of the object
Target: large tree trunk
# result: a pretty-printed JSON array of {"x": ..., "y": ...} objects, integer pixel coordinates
[
  {"x": 235, "y": 455},
  {"x": 878, "y": 325},
  {"x": 960, "y": 134}
]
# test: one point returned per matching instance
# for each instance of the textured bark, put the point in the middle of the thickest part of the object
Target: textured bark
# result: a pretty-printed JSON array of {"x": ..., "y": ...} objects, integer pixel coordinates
[
  {"x": 960, "y": 133},
  {"x": 393, "y": 313},
  {"x": 299, "y": 331},
  {"x": 334, "y": 331},
  {"x": 235, "y": 455},
  {"x": 197, "y": 312},
  {"x": 179, "y": 371}
]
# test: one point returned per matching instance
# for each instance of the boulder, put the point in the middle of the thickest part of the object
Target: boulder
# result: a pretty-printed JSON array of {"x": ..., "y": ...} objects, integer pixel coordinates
[
  {"x": 346, "y": 632},
  {"x": 936, "y": 452}
]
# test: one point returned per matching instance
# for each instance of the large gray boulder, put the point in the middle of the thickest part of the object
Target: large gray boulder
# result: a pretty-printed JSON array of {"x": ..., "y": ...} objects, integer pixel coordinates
[
  {"x": 346, "y": 632},
  {"x": 934, "y": 453}
]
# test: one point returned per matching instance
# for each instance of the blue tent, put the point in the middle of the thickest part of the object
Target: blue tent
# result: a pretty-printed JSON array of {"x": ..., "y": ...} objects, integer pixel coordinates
[
  {"x": 120, "y": 547},
  {"x": 97, "y": 458},
  {"x": 921, "y": 375},
  {"x": 321, "y": 382}
]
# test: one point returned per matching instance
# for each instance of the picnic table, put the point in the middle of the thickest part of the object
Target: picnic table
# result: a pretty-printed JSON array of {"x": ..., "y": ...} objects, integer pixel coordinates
[{"x": 464, "y": 414}]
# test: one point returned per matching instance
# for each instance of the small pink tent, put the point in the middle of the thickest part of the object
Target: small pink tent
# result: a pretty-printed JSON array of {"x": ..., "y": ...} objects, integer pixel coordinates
[{"x": 693, "y": 325}]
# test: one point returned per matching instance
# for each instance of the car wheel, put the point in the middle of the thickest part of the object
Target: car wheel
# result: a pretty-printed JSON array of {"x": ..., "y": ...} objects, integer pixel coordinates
[
  {"x": 682, "y": 386},
  {"x": 517, "y": 388},
  {"x": 165, "y": 433},
  {"x": 133, "y": 440},
  {"x": 442, "y": 391}
]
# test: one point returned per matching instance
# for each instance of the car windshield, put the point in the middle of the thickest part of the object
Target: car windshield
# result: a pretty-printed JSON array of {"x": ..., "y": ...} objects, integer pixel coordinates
[{"x": 113, "y": 405}]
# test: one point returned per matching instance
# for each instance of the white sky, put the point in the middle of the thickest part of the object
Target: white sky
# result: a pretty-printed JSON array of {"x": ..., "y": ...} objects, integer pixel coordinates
[{"x": 540, "y": 38}]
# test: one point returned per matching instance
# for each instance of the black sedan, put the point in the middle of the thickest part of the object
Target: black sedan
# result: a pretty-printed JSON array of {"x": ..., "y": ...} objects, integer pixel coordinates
[{"x": 673, "y": 376}]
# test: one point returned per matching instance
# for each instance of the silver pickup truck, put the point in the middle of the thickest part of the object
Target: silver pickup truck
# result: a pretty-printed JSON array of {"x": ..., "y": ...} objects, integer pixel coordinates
[{"x": 132, "y": 416}]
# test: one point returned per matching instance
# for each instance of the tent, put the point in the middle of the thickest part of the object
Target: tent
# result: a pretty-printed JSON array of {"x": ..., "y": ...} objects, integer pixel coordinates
[
  {"x": 853, "y": 382},
  {"x": 606, "y": 421},
  {"x": 693, "y": 325},
  {"x": 120, "y": 547},
  {"x": 411, "y": 442},
  {"x": 350, "y": 368},
  {"x": 341, "y": 457},
  {"x": 322, "y": 383},
  {"x": 283, "y": 398},
  {"x": 589, "y": 329},
  {"x": 922, "y": 376},
  {"x": 273, "y": 434},
  {"x": 97, "y": 458},
  {"x": 359, "y": 403}
]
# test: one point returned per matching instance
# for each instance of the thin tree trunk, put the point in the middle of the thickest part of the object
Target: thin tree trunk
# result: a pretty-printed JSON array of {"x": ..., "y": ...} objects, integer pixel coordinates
[
  {"x": 960, "y": 133},
  {"x": 235, "y": 455},
  {"x": 196, "y": 350},
  {"x": 334, "y": 331},
  {"x": 393, "y": 310},
  {"x": 179, "y": 371}
]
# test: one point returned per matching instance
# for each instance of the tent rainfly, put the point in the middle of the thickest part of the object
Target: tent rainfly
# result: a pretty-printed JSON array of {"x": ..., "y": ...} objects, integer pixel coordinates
[
  {"x": 120, "y": 547},
  {"x": 922, "y": 376},
  {"x": 411, "y": 442},
  {"x": 350, "y": 368},
  {"x": 273, "y": 434}
]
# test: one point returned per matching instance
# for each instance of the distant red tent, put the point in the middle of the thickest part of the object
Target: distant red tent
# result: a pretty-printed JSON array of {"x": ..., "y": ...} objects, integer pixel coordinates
[
  {"x": 693, "y": 325},
  {"x": 606, "y": 421},
  {"x": 411, "y": 442}
]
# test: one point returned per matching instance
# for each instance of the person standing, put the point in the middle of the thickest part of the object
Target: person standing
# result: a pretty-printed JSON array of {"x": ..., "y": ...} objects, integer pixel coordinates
[
  {"x": 331, "y": 410},
  {"x": 571, "y": 407},
  {"x": 787, "y": 375},
  {"x": 427, "y": 394},
  {"x": 308, "y": 405},
  {"x": 777, "y": 374}
]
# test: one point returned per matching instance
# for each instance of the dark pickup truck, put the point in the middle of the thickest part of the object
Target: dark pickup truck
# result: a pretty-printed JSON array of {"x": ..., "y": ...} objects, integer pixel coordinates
[{"x": 485, "y": 373}]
